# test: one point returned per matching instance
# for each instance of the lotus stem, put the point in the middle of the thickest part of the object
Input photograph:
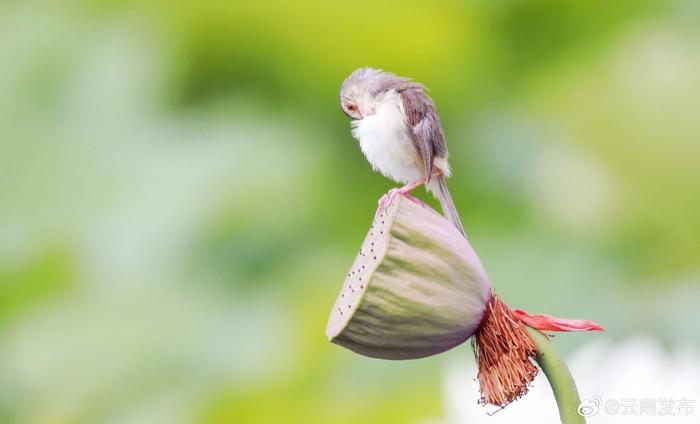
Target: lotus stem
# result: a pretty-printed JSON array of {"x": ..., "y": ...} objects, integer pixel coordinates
[{"x": 559, "y": 378}]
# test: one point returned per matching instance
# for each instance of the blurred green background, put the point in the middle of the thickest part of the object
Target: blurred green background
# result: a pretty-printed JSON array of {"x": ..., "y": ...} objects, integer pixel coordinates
[{"x": 180, "y": 195}]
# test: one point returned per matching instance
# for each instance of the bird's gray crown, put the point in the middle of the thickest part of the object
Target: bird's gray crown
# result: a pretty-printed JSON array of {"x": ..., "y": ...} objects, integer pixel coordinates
[{"x": 371, "y": 81}]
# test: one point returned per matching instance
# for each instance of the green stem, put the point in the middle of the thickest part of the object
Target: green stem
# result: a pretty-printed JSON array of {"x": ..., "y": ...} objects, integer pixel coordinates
[{"x": 560, "y": 379}]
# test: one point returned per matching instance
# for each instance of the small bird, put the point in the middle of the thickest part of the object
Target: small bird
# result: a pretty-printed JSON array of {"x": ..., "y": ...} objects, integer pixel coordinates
[{"x": 399, "y": 133}]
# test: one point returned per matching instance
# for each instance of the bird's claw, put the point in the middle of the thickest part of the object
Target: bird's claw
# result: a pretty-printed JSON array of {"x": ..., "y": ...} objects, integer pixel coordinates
[
  {"x": 414, "y": 199},
  {"x": 388, "y": 198}
]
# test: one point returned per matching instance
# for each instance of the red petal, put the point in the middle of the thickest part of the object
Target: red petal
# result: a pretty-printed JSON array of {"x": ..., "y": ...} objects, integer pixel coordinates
[{"x": 550, "y": 323}]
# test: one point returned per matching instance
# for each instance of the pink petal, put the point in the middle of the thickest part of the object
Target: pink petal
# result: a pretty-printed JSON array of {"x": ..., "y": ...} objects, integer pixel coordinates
[{"x": 550, "y": 323}]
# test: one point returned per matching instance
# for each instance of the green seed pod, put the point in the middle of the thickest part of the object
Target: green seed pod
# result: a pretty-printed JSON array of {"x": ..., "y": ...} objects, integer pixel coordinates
[{"x": 416, "y": 288}]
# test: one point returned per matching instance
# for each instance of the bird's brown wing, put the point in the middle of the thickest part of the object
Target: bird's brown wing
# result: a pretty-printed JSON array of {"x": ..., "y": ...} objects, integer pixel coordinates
[
  {"x": 430, "y": 140},
  {"x": 425, "y": 125}
]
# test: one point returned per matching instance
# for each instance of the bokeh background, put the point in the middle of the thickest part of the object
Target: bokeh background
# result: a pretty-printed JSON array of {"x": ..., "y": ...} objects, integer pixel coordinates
[{"x": 180, "y": 195}]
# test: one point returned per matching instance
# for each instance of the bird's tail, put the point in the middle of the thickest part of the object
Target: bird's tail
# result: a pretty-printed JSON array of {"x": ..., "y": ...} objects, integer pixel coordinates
[{"x": 438, "y": 187}]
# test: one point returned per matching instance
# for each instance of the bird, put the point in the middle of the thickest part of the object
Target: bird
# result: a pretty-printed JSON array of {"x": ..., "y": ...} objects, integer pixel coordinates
[{"x": 399, "y": 132}]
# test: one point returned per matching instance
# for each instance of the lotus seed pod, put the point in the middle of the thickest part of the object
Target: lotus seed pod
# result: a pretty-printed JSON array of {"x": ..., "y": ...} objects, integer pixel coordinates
[{"x": 416, "y": 288}]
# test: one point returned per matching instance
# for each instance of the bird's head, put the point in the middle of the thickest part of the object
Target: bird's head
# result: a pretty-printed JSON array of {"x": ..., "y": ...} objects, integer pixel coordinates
[{"x": 364, "y": 88}]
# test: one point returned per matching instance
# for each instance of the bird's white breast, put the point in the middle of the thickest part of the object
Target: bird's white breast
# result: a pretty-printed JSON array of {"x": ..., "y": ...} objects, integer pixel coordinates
[{"x": 387, "y": 142}]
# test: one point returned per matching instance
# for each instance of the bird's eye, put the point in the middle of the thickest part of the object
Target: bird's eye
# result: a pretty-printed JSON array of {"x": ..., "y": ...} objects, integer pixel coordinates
[{"x": 352, "y": 107}]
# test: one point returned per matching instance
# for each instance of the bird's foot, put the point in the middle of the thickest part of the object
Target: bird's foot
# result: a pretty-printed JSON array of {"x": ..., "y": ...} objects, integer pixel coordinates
[
  {"x": 386, "y": 200},
  {"x": 414, "y": 199},
  {"x": 405, "y": 191}
]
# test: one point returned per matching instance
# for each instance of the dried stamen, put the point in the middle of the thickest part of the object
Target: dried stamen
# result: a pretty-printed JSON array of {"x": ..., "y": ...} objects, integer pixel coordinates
[{"x": 503, "y": 351}]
